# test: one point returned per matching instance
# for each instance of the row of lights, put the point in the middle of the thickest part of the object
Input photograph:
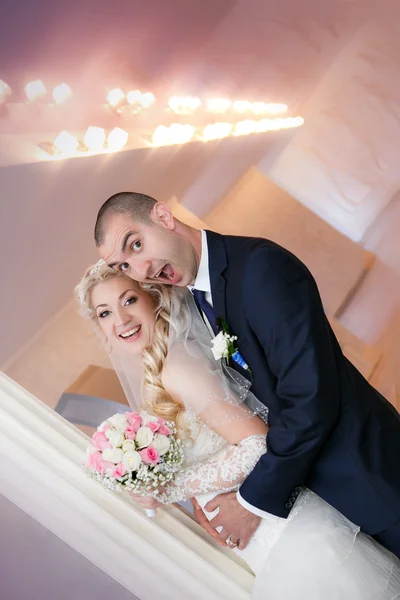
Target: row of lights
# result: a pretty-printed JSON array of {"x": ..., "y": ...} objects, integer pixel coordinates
[
  {"x": 95, "y": 139},
  {"x": 179, "y": 134},
  {"x": 36, "y": 89},
  {"x": 180, "y": 105},
  {"x": 135, "y": 98},
  {"x": 184, "y": 105},
  {"x": 189, "y": 104}
]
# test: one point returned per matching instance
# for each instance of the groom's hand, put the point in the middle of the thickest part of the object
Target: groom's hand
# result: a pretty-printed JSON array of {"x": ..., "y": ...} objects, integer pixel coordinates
[{"x": 237, "y": 523}]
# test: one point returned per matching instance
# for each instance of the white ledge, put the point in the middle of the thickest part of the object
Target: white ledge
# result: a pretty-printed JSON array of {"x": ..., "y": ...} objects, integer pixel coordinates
[{"x": 40, "y": 471}]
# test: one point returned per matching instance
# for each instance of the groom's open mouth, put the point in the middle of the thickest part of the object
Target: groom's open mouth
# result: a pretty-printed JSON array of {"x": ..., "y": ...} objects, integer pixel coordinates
[
  {"x": 166, "y": 275},
  {"x": 131, "y": 335}
]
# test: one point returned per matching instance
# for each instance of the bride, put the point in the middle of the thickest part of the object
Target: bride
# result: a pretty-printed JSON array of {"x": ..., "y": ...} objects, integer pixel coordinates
[{"x": 161, "y": 350}]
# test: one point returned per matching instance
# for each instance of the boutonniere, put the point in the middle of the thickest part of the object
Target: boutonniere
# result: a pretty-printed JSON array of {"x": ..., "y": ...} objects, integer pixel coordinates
[{"x": 224, "y": 346}]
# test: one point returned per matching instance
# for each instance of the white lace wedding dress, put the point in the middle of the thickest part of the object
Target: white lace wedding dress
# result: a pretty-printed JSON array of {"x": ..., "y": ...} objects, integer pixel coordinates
[{"x": 314, "y": 554}]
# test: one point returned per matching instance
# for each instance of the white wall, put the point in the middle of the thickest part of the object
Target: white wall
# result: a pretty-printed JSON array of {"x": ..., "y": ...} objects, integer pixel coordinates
[
  {"x": 278, "y": 50},
  {"x": 37, "y": 565},
  {"x": 343, "y": 163},
  {"x": 55, "y": 357}
]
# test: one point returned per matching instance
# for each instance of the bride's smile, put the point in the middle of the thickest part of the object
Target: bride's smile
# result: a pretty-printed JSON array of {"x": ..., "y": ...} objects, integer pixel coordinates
[{"x": 125, "y": 313}]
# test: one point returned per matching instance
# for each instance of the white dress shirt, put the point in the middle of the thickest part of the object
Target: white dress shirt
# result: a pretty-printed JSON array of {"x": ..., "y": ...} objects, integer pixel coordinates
[{"x": 203, "y": 283}]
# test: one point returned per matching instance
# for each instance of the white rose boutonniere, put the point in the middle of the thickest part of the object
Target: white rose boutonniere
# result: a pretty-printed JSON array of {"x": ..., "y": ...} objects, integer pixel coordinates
[{"x": 223, "y": 346}]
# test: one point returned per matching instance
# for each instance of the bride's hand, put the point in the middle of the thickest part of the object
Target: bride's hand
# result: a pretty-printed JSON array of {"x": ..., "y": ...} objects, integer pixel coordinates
[{"x": 146, "y": 502}]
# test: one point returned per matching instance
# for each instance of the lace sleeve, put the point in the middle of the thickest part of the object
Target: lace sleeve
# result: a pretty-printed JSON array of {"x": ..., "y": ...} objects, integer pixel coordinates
[{"x": 223, "y": 473}]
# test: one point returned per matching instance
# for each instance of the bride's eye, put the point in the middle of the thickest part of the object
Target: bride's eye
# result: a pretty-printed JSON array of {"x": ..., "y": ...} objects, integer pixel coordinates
[
  {"x": 130, "y": 300},
  {"x": 136, "y": 246},
  {"x": 124, "y": 267},
  {"x": 104, "y": 314}
]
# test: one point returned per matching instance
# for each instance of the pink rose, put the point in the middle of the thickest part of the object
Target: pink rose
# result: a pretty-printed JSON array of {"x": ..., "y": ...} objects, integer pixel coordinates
[
  {"x": 154, "y": 426},
  {"x": 164, "y": 430},
  {"x": 100, "y": 441},
  {"x": 130, "y": 432},
  {"x": 105, "y": 427},
  {"x": 92, "y": 460},
  {"x": 134, "y": 420},
  {"x": 118, "y": 471},
  {"x": 150, "y": 456},
  {"x": 105, "y": 466},
  {"x": 96, "y": 463}
]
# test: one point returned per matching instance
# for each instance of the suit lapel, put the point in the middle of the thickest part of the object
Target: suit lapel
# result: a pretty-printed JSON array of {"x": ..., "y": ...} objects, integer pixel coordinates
[{"x": 217, "y": 263}]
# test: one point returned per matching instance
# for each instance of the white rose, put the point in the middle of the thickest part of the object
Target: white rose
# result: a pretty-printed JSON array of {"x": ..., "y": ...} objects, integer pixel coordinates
[
  {"x": 128, "y": 446},
  {"x": 113, "y": 455},
  {"x": 131, "y": 460},
  {"x": 116, "y": 437},
  {"x": 220, "y": 346},
  {"x": 118, "y": 421},
  {"x": 144, "y": 437},
  {"x": 148, "y": 418},
  {"x": 161, "y": 443}
]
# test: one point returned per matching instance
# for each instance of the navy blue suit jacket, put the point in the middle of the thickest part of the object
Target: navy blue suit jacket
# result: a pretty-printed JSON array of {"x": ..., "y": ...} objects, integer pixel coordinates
[{"x": 329, "y": 429}]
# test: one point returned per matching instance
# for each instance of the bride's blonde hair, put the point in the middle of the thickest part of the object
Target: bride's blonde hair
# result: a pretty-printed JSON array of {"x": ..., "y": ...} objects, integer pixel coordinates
[{"x": 159, "y": 402}]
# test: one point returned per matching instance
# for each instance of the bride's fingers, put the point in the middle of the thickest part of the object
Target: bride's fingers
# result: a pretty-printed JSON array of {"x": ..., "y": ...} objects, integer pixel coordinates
[
  {"x": 145, "y": 501},
  {"x": 205, "y": 523}
]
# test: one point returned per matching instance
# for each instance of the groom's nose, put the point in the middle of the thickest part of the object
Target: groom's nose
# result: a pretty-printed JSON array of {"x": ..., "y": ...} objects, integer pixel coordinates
[{"x": 142, "y": 269}]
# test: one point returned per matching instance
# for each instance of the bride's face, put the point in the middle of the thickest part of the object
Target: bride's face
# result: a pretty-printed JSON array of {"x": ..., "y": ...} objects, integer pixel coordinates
[{"x": 125, "y": 313}]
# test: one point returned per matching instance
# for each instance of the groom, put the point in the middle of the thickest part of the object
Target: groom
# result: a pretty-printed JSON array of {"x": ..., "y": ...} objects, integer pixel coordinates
[{"x": 329, "y": 429}]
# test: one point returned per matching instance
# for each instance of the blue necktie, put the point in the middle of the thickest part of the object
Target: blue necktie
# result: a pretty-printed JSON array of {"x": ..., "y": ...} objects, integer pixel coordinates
[{"x": 203, "y": 305}]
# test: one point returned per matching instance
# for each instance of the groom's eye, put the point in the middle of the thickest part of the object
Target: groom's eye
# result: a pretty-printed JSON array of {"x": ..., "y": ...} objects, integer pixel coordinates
[{"x": 136, "y": 246}]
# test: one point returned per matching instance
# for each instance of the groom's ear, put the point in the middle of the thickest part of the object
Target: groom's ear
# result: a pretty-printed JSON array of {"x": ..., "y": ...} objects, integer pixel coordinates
[{"x": 161, "y": 215}]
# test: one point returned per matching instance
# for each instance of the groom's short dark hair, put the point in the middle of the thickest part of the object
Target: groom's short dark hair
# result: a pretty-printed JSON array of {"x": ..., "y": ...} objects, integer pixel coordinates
[{"x": 138, "y": 206}]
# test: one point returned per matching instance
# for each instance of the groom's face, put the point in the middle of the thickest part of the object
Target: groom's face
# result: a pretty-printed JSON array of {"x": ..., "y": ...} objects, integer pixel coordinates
[{"x": 149, "y": 252}]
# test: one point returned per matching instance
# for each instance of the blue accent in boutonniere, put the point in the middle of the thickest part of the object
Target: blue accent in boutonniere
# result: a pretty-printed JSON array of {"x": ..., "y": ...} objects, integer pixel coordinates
[
  {"x": 238, "y": 358},
  {"x": 232, "y": 351}
]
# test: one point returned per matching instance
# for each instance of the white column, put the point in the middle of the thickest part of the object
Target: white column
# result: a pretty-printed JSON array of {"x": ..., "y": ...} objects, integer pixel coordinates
[{"x": 40, "y": 471}]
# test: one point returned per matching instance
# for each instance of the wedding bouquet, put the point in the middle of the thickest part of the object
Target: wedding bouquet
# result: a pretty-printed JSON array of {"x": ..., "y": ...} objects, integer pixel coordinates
[{"x": 135, "y": 452}]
